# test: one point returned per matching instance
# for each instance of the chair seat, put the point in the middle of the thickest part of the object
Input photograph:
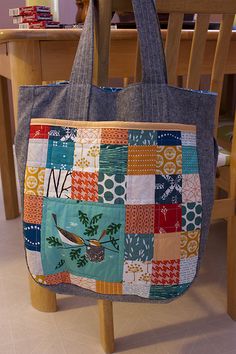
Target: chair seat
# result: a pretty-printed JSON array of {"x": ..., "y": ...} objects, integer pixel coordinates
[{"x": 223, "y": 158}]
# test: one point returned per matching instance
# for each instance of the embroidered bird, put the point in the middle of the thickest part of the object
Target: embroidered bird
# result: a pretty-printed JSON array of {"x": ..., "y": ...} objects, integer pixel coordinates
[{"x": 68, "y": 237}]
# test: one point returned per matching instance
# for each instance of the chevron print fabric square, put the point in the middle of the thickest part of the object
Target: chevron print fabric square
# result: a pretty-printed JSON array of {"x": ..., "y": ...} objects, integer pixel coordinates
[{"x": 111, "y": 209}]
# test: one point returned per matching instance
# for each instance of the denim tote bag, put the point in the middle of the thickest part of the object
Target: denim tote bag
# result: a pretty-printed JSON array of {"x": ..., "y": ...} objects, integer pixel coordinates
[{"x": 117, "y": 184}]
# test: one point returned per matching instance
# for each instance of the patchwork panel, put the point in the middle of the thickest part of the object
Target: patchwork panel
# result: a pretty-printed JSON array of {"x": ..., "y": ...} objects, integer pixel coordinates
[
  {"x": 111, "y": 188},
  {"x": 169, "y": 160},
  {"x": 112, "y": 209}
]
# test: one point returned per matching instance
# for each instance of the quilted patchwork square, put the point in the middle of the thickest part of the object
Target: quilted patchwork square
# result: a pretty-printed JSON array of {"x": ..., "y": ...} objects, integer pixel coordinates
[
  {"x": 142, "y": 160},
  {"x": 141, "y": 290},
  {"x": 34, "y": 181},
  {"x": 37, "y": 153},
  {"x": 167, "y": 246},
  {"x": 85, "y": 283},
  {"x": 169, "y": 160},
  {"x": 84, "y": 186},
  {"x": 39, "y": 131},
  {"x": 188, "y": 139},
  {"x": 190, "y": 160},
  {"x": 32, "y": 237},
  {"x": 88, "y": 136},
  {"x": 142, "y": 137},
  {"x": 188, "y": 269},
  {"x": 191, "y": 216},
  {"x": 111, "y": 188},
  {"x": 165, "y": 292},
  {"x": 166, "y": 272},
  {"x": 114, "y": 136},
  {"x": 141, "y": 189},
  {"x": 108, "y": 288},
  {"x": 168, "y": 189},
  {"x": 86, "y": 158},
  {"x": 191, "y": 188},
  {"x": 55, "y": 279},
  {"x": 168, "y": 218},
  {"x": 140, "y": 219},
  {"x": 137, "y": 273},
  {"x": 34, "y": 262},
  {"x": 60, "y": 155},
  {"x": 138, "y": 247},
  {"x": 64, "y": 134},
  {"x": 33, "y": 209},
  {"x": 57, "y": 183},
  {"x": 190, "y": 243},
  {"x": 113, "y": 159},
  {"x": 168, "y": 138}
]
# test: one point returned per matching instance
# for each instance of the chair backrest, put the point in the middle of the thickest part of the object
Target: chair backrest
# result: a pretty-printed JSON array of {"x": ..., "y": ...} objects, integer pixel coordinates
[{"x": 177, "y": 8}]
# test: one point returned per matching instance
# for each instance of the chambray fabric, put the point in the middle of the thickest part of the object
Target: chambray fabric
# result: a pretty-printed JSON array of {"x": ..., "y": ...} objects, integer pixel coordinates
[{"x": 152, "y": 100}]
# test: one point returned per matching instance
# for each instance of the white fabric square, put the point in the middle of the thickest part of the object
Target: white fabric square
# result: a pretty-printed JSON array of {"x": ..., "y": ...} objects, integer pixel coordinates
[
  {"x": 141, "y": 189},
  {"x": 137, "y": 273},
  {"x": 34, "y": 262},
  {"x": 188, "y": 139},
  {"x": 37, "y": 153},
  {"x": 139, "y": 290},
  {"x": 57, "y": 183},
  {"x": 85, "y": 283},
  {"x": 86, "y": 158},
  {"x": 88, "y": 136},
  {"x": 191, "y": 188},
  {"x": 188, "y": 267}
]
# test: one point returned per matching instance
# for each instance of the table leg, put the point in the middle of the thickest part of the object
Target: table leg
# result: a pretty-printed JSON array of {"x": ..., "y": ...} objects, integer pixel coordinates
[
  {"x": 6, "y": 155},
  {"x": 106, "y": 326}
]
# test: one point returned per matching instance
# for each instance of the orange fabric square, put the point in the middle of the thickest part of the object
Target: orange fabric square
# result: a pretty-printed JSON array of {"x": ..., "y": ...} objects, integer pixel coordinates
[
  {"x": 142, "y": 160},
  {"x": 103, "y": 287},
  {"x": 190, "y": 243},
  {"x": 169, "y": 160},
  {"x": 54, "y": 279},
  {"x": 115, "y": 136},
  {"x": 167, "y": 246},
  {"x": 84, "y": 186},
  {"x": 140, "y": 219},
  {"x": 33, "y": 209}
]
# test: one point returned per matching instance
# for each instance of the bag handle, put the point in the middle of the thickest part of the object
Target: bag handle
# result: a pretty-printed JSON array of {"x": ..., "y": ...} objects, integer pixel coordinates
[{"x": 151, "y": 48}]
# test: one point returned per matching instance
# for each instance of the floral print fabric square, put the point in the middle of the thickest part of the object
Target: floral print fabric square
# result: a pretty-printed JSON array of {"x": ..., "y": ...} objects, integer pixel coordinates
[{"x": 113, "y": 209}]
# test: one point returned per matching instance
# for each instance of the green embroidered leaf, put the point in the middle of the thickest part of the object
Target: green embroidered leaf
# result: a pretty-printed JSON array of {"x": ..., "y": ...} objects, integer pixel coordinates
[
  {"x": 114, "y": 242},
  {"x": 82, "y": 261},
  {"x": 75, "y": 254},
  {"x": 95, "y": 219},
  {"x": 83, "y": 217},
  {"x": 60, "y": 264},
  {"x": 53, "y": 241},
  {"x": 91, "y": 230},
  {"x": 112, "y": 229}
]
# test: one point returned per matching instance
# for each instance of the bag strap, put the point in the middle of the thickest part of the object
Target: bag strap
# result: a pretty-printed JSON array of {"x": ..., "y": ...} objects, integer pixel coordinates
[{"x": 152, "y": 56}]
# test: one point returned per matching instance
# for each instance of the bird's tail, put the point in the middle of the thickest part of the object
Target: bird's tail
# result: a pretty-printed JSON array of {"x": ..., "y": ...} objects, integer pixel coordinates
[{"x": 55, "y": 218}]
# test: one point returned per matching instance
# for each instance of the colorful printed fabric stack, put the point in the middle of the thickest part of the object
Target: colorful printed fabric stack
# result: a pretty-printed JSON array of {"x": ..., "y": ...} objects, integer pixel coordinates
[
  {"x": 113, "y": 207},
  {"x": 33, "y": 17}
]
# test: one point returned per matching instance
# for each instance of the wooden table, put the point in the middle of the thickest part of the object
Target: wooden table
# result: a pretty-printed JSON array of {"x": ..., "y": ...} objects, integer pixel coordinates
[{"x": 28, "y": 57}]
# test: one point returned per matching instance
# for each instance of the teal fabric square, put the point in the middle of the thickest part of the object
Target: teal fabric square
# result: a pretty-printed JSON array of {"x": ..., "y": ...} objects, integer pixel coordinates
[
  {"x": 112, "y": 188},
  {"x": 167, "y": 292},
  {"x": 142, "y": 137},
  {"x": 60, "y": 155},
  {"x": 83, "y": 238},
  {"x": 139, "y": 247},
  {"x": 113, "y": 159},
  {"x": 189, "y": 160}
]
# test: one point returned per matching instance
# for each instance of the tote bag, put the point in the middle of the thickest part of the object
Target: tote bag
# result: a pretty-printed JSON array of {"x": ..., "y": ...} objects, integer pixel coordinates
[{"x": 117, "y": 185}]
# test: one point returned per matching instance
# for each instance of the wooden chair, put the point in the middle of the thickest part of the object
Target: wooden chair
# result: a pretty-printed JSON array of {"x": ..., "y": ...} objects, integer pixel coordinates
[{"x": 224, "y": 208}]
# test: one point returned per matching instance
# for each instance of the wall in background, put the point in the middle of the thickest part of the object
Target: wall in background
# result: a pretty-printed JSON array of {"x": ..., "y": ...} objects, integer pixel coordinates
[{"x": 67, "y": 11}]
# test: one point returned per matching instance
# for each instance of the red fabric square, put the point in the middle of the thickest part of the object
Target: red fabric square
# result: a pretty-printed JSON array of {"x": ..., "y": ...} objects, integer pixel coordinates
[
  {"x": 39, "y": 131},
  {"x": 165, "y": 272},
  {"x": 59, "y": 278},
  {"x": 84, "y": 186},
  {"x": 168, "y": 218},
  {"x": 140, "y": 219}
]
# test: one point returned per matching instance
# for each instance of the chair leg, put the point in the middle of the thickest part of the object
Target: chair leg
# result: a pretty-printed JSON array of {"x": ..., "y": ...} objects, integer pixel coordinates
[
  {"x": 42, "y": 299},
  {"x": 106, "y": 326},
  {"x": 6, "y": 155},
  {"x": 231, "y": 268}
]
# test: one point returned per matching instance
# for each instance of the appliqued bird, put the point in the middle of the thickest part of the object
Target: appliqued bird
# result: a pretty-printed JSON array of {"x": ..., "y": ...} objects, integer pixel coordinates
[{"x": 68, "y": 237}]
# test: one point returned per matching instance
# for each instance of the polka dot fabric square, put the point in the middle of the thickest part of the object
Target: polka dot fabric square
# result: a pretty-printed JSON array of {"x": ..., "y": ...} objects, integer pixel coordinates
[{"x": 148, "y": 177}]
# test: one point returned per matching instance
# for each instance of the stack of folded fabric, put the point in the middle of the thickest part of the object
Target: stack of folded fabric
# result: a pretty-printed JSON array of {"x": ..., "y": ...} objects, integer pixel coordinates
[{"x": 31, "y": 17}]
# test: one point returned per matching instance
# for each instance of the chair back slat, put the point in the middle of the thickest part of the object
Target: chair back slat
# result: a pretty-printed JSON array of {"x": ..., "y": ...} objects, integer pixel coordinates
[
  {"x": 197, "y": 51},
  {"x": 172, "y": 45},
  {"x": 220, "y": 58}
]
